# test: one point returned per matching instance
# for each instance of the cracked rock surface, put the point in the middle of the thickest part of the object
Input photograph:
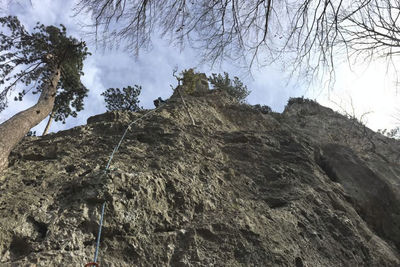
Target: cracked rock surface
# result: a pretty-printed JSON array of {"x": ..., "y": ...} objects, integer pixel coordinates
[{"x": 243, "y": 187}]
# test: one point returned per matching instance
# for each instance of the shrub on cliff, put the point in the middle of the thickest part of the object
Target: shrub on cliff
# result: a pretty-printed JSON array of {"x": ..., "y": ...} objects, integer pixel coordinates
[
  {"x": 393, "y": 133},
  {"x": 300, "y": 100},
  {"x": 189, "y": 80},
  {"x": 262, "y": 108},
  {"x": 192, "y": 81},
  {"x": 127, "y": 99},
  {"x": 233, "y": 87}
]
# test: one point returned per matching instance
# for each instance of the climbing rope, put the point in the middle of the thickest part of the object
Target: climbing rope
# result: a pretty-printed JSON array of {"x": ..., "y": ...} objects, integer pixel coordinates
[
  {"x": 96, "y": 253},
  {"x": 94, "y": 263},
  {"x": 123, "y": 136}
]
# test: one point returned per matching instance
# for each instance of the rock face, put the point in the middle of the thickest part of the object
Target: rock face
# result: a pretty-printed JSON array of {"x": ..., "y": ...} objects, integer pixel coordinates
[{"x": 244, "y": 187}]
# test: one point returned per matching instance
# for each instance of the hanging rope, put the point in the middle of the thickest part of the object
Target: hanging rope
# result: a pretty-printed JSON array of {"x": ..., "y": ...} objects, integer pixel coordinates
[
  {"x": 124, "y": 134},
  {"x": 96, "y": 253}
]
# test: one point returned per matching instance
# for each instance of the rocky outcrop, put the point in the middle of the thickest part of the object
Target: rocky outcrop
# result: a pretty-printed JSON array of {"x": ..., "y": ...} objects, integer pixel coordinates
[
  {"x": 243, "y": 187},
  {"x": 194, "y": 84}
]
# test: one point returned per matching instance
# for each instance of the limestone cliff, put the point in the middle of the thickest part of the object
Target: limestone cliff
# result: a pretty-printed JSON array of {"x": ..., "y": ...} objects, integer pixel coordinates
[{"x": 243, "y": 187}]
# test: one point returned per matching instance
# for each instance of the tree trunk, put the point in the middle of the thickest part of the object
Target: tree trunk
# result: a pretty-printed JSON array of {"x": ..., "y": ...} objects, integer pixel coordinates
[
  {"x": 14, "y": 129},
  {"x": 46, "y": 129}
]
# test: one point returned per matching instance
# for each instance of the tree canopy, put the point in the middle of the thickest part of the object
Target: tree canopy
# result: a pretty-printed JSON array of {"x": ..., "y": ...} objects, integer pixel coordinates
[
  {"x": 45, "y": 61},
  {"x": 127, "y": 99},
  {"x": 29, "y": 60}
]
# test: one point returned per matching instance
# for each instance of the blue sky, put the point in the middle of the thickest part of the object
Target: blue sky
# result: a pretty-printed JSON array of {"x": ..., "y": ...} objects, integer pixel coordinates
[{"x": 364, "y": 90}]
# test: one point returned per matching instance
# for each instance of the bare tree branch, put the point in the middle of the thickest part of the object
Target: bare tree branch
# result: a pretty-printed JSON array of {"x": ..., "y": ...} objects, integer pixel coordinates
[{"x": 309, "y": 35}]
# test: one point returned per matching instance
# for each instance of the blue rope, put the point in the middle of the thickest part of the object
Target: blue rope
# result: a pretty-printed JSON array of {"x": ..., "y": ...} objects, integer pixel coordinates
[
  {"x": 96, "y": 253},
  {"x": 123, "y": 136}
]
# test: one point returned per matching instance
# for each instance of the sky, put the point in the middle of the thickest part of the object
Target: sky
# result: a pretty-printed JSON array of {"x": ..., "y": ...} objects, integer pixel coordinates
[{"x": 358, "y": 91}]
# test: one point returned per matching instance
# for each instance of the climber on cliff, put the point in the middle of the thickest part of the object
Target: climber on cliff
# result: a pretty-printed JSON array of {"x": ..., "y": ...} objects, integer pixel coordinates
[{"x": 158, "y": 102}]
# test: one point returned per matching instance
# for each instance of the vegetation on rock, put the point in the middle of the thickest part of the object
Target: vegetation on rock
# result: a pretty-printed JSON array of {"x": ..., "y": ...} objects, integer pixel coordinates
[
  {"x": 300, "y": 100},
  {"x": 127, "y": 99},
  {"x": 192, "y": 81},
  {"x": 392, "y": 133},
  {"x": 233, "y": 87},
  {"x": 189, "y": 80},
  {"x": 263, "y": 108}
]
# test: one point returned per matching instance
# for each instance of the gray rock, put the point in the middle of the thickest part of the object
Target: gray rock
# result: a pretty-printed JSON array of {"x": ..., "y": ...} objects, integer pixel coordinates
[{"x": 307, "y": 187}]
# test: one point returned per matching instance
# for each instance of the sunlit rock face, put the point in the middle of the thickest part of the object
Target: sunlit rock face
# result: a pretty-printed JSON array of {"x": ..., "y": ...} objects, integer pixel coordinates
[{"x": 241, "y": 187}]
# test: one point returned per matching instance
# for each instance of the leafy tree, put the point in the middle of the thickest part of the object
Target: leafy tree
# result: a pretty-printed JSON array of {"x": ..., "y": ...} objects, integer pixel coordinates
[
  {"x": 309, "y": 33},
  {"x": 46, "y": 61},
  {"x": 127, "y": 99},
  {"x": 233, "y": 87}
]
